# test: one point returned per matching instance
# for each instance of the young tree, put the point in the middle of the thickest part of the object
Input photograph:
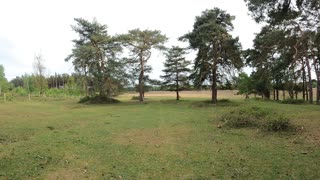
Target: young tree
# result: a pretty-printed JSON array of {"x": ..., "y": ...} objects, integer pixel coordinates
[
  {"x": 245, "y": 84},
  {"x": 95, "y": 54},
  {"x": 140, "y": 44},
  {"x": 217, "y": 51},
  {"x": 3, "y": 80},
  {"x": 39, "y": 72},
  {"x": 176, "y": 69}
]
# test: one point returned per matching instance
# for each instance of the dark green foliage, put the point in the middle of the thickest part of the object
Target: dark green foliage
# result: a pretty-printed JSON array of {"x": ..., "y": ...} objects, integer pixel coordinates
[
  {"x": 137, "y": 98},
  {"x": 140, "y": 43},
  {"x": 292, "y": 101},
  {"x": 277, "y": 11},
  {"x": 245, "y": 84},
  {"x": 176, "y": 70},
  {"x": 277, "y": 123},
  {"x": 218, "y": 53},
  {"x": 95, "y": 56},
  {"x": 257, "y": 118},
  {"x": 288, "y": 45},
  {"x": 98, "y": 100}
]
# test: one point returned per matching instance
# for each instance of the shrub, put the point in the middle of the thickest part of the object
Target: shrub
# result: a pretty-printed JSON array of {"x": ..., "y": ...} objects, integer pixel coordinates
[
  {"x": 21, "y": 91},
  {"x": 243, "y": 117},
  {"x": 137, "y": 98},
  {"x": 277, "y": 123},
  {"x": 255, "y": 117},
  {"x": 98, "y": 100},
  {"x": 292, "y": 101}
]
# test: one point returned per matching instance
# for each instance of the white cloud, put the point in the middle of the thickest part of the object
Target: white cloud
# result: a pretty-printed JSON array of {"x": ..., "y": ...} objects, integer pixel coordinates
[{"x": 45, "y": 26}]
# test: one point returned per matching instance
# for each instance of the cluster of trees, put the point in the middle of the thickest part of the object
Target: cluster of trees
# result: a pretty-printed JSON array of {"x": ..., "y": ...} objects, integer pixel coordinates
[
  {"x": 285, "y": 54},
  {"x": 287, "y": 50},
  {"x": 4, "y": 85},
  {"x": 99, "y": 56}
]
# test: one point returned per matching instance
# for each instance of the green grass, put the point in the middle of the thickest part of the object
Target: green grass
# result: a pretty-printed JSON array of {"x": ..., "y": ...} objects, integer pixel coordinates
[{"x": 159, "y": 139}]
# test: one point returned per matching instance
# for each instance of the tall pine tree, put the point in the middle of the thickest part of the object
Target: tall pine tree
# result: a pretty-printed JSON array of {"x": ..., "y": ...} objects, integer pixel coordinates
[{"x": 176, "y": 69}]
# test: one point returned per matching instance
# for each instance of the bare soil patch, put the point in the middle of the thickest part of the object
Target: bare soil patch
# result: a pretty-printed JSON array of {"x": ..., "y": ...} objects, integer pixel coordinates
[{"x": 154, "y": 137}]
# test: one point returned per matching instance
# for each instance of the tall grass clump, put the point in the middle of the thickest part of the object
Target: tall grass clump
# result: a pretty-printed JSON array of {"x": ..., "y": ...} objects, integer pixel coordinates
[{"x": 255, "y": 117}]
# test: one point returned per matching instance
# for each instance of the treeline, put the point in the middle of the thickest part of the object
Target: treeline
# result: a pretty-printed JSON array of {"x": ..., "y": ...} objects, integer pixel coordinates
[{"x": 286, "y": 52}]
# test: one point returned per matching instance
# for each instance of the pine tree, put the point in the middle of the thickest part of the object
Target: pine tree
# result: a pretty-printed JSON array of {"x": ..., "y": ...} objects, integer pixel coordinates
[{"x": 176, "y": 69}]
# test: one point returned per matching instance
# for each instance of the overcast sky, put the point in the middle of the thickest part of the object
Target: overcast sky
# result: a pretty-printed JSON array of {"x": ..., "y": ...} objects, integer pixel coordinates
[{"x": 43, "y": 26}]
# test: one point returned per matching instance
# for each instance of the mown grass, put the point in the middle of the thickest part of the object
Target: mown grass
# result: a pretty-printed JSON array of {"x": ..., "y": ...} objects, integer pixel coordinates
[{"x": 159, "y": 139}]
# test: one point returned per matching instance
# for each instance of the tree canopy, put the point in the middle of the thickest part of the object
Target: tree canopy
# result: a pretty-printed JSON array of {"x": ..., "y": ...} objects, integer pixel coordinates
[
  {"x": 140, "y": 44},
  {"x": 3, "y": 80},
  {"x": 217, "y": 51},
  {"x": 176, "y": 69},
  {"x": 95, "y": 55}
]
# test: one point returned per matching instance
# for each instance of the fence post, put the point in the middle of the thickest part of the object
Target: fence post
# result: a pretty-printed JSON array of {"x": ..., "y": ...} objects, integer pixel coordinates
[{"x": 4, "y": 97}]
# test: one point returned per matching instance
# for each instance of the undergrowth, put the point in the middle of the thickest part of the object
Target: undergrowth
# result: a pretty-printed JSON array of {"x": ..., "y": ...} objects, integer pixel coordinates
[{"x": 256, "y": 117}]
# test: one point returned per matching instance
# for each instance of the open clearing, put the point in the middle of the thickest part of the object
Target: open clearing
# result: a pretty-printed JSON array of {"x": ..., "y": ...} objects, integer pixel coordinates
[{"x": 159, "y": 139}]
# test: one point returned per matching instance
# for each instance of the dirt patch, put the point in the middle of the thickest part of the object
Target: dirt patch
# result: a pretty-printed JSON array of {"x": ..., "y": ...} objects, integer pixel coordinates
[
  {"x": 65, "y": 174},
  {"x": 313, "y": 136},
  {"x": 154, "y": 136}
]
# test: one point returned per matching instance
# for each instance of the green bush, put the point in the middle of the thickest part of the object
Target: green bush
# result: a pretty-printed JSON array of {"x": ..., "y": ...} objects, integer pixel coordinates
[
  {"x": 98, "y": 100},
  {"x": 255, "y": 117},
  {"x": 277, "y": 123},
  {"x": 244, "y": 117},
  {"x": 21, "y": 91},
  {"x": 292, "y": 101},
  {"x": 135, "y": 98}
]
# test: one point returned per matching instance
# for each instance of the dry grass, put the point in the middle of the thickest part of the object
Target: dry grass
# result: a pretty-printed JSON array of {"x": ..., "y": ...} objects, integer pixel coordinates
[
  {"x": 222, "y": 94},
  {"x": 151, "y": 137},
  {"x": 66, "y": 174}
]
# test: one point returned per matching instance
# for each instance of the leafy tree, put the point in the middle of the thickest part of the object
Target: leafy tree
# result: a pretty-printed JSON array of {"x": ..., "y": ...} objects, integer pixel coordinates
[
  {"x": 301, "y": 18},
  {"x": 95, "y": 55},
  {"x": 278, "y": 11},
  {"x": 217, "y": 51},
  {"x": 3, "y": 80},
  {"x": 140, "y": 44},
  {"x": 245, "y": 84},
  {"x": 176, "y": 69},
  {"x": 17, "y": 82}
]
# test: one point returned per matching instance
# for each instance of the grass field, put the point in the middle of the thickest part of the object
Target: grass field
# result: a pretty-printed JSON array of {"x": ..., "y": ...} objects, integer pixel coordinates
[{"x": 159, "y": 139}]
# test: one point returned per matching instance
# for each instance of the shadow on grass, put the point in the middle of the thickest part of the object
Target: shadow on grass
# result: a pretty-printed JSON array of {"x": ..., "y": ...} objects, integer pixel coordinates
[
  {"x": 220, "y": 103},
  {"x": 98, "y": 100}
]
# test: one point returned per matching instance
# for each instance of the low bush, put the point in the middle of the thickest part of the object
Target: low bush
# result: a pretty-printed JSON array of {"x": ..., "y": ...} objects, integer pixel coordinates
[
  {"x": 255, "y": 117},
  {"x": 292, "y": 101},
  {"x": 277, "y": 123},
  {"x": 98, "y": 100},
  {"x": 136, "y": 98}
]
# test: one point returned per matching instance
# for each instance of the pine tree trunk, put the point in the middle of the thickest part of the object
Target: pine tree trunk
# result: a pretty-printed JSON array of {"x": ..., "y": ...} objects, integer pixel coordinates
[
  {"x": 310, "y": 81},
  {"x": 303, "y": 82},
  {"x": 318, "y": 83},
  {"x": 141, "y": 94},
  {"x": 214, "y": 85}
]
